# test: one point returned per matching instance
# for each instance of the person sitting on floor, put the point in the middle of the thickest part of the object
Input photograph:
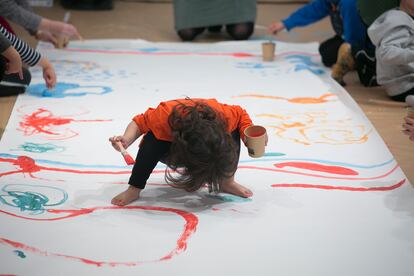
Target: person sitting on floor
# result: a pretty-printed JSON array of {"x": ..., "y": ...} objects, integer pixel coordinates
[
  {"x": 348, "y": 27},
  {"x": 392, "y": 34}
]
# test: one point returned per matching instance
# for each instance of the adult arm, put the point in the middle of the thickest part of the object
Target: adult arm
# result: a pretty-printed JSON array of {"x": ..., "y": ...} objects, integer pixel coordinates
[{"x": 20, "y": 13}]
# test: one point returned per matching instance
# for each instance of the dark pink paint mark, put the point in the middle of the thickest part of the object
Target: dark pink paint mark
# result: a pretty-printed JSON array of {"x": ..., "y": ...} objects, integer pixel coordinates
[
  {"x": 317, "y": 167},
  {"x": 344, "y": 188},
  {"x": 191, "y": 222},
  {"x": 256, "y": 134}
]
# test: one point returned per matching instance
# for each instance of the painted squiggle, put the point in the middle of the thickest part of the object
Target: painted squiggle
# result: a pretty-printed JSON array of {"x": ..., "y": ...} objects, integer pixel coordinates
[
  {"x": 42, "y": 121},
  {"x": 296, "y": 100},
  {"x": 40, "y": 148},
  {"x": 63, "y": 90},
  {"x": 191, "y": 222}
]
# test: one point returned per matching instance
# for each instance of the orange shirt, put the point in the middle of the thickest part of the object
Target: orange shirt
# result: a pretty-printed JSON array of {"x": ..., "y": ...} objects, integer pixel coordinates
[{"x": 156, "y": 120}]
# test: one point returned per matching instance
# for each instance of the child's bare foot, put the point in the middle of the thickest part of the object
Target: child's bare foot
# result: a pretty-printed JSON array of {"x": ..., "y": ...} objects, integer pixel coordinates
[
  {"x": 126, "y": 197},
  {"x": 234, "y": 188}
]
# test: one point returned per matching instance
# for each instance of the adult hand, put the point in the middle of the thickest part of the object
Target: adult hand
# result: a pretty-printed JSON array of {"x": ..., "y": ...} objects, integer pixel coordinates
[
  {"x": 14, "y": 62},
  {"x": 48, "y": 73},
  {"x": 47, "y": 37},
  {"x": 59, "y": 29},
  {"x": 276, "y": 27}
]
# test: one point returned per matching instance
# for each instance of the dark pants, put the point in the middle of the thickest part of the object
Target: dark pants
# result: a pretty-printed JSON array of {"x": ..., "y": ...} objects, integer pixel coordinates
[
  {"x": 150, "y": 152},
  {"x": 12, "y": 84},
  {"x": 238, "y": 31},
  {"x": 329, "y": 50},
  {"x": 401, "y": 97}
]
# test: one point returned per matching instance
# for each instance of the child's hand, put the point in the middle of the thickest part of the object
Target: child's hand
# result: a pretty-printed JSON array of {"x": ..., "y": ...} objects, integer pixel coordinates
[
  {"x": 115, "y": 139},
  {"x": 48, "y": 73},
  {"x": 276, "y": 27},
  {"x": 408, "y": 127},
  {"x": 14, "y": 62}
]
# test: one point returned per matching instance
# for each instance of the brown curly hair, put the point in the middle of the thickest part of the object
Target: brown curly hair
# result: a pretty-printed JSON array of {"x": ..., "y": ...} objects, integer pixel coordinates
[{"x": 202, "y": 151}]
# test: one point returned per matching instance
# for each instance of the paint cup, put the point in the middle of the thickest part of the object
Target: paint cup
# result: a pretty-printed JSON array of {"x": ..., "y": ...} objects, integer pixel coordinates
[
  {"x": 268, "y": 51},
  {"x": 255, "y": 140},
  {"x": 410, "y": 112},
  {"x": 62, "y": 42}
]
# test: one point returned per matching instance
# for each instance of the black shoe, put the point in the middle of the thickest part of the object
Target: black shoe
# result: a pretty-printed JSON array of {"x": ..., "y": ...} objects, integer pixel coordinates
[
  {"x": 215, "y": 29},
  {"x": 12, "y": 84},
  {"x": 366, "y": 68}
]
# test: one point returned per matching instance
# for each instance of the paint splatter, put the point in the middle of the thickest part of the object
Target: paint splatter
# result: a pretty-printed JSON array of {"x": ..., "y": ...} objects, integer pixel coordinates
[
  {"x": 229, "y": 198},
  {"x": 20, "y": 254},
  {"x": 318, "y": 167},
  {"x": 296, "y": 100},
  {"x": 63, "y": 90},
  {"x": 302, "y": 62},
  {"x": 40, "y": 148},
  {"x": 42, "y": 121},
  {"x": 190, "y": 226}
]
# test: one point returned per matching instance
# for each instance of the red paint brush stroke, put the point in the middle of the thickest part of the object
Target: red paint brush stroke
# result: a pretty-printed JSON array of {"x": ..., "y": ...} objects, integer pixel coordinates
[
  {"x": 318, "y": 167},
  {"x": 191, "y": 222},
  {"x": 343, "y": 188}
]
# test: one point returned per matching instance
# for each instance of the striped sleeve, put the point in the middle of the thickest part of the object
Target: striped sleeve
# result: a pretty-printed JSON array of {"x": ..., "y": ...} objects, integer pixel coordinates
[{"x": 28, "y": 55}]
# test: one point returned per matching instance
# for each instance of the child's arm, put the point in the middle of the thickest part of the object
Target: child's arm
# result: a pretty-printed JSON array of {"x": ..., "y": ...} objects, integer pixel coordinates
[
  {"x": 131, "y": 134},
  {"x": 354, "y": 28},
  {"x": 31, "y": 57},
  {"x": 14, "y": 62},
  {"x": 308, "y": 14}
]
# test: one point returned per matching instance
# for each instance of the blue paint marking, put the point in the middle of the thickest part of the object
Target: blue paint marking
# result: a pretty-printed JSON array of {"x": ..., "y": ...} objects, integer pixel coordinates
[
  {"x": 253, "y": 65},
  {"x": 20, "y": 253},
  {"x": 230, "y": 198},
  {"x": 302, "y": 62},
  {"x": 62, "y": 90},
  {"x": 42, "y": 161},
  {"x": 29, "y": 200},
  {"x": 274, "y": 154}
]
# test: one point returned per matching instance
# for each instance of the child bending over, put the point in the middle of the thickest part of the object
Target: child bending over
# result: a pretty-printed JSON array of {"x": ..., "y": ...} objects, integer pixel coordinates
[
  {"x": 392, "y": 34},
  {"x": 199, "y": 141}
]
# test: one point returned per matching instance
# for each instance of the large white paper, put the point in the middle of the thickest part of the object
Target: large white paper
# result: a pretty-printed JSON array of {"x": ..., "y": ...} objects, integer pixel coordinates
[{"x": 329, "y": 198}]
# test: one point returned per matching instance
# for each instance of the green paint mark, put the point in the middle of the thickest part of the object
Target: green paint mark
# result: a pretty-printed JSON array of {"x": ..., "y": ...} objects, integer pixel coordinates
[
  {"x": 29, "y": 200},
  {"x": 274, "y": 154},
  {"x": 40, "y": 148},
  {"x": 20, "y": 254},
  {"x": 230, "y": 198}
]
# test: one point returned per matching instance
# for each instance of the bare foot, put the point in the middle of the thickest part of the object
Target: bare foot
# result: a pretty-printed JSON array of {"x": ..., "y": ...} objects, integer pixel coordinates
[
  {"x": 126, "y": 197},
  {"x": 234, "y": 188}
]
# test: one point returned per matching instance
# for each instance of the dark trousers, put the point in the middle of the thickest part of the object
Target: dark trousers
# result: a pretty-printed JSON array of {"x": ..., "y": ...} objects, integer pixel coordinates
[
  {"x": 329, "y": 50},
  {"x": 237, "y": 31},
  {"x": 401, "y": 97},
  {"x": 12, "y": 84},
  {"x": 150, "y": 152}
]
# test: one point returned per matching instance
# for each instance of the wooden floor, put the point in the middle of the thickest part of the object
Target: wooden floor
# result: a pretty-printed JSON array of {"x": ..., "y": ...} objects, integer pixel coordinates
[{"x": 154, "y": 22}]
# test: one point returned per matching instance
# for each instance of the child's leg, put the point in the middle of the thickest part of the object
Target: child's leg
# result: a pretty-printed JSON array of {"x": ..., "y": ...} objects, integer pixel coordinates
[
  {"x": 401, "y": 97},
  {"x": 150, "y": 152},
  {"x": 329, "y": 50},
  {"x": 230, "y": 186},
  {"x": 12, "y": 84}
]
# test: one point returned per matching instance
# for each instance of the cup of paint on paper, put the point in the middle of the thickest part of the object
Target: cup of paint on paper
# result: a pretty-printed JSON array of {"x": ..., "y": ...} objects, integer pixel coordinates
[
  {"x": 62, "y": 42},
  {"x": 268, "y": 51},
  {"x": 255, "y": 140}
]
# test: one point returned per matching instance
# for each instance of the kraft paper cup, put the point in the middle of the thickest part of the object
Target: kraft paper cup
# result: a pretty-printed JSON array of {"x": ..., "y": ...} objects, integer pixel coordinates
[
  {"x": 268, "y": 51},
  {"x": 255, "y": 140},
  {"x": 410, "y": 112}
]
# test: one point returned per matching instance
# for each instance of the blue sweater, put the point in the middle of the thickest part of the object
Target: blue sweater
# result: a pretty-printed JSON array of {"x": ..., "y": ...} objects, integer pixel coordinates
[{"x": 352, "y": 28}]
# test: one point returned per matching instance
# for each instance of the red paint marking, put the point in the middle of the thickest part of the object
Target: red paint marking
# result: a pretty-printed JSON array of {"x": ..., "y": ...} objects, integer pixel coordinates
[
  {"x": 344, "y": 188},
  {"x": 317, "y": 167},
  {"x": 238, "y": 55},
  {"x": 191, "y": 222},
  {"x": 43, "y": 121},
  {"x": 322, "y": 176},
  {"x": 129, "y": 160},
  {"x": 257, "y": 134}
]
